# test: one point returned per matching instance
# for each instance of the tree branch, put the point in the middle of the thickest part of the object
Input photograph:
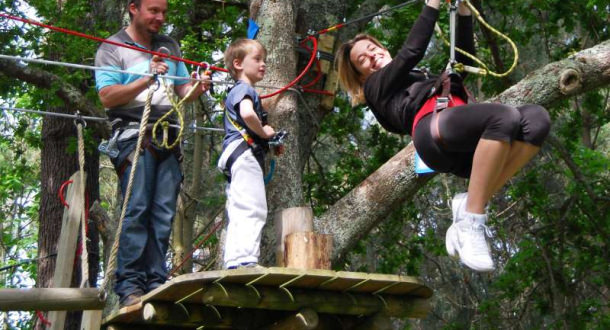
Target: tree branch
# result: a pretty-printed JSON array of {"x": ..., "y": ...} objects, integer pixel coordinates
[{"x": 73, "y": 98}]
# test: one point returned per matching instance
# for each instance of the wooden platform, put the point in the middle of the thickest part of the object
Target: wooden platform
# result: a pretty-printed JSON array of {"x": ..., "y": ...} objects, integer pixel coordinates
[{"x": 259, "y": 298}]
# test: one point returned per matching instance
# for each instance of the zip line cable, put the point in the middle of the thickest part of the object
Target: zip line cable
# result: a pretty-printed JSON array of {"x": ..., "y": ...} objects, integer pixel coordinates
[
  {"x": 145, "y": 74},
  {"x": 365, "y": 17},
  {"x": 90, "y": 118}
]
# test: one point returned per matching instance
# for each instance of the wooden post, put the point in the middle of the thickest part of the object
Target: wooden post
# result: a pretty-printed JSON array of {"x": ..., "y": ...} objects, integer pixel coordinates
[
  {"x": 325, "y": 302},
  {"x": 66, "y": 248},
  {"x": 305, "y": 319},
  {"x": 91, "y": 320},
  {"x": 50, "y": 299},
  {"x": 331, "y": 85},
  {"x": 326, "y": 43},
  {"x": 308, "y": 250},
  {"x": 287, "y": 221}
]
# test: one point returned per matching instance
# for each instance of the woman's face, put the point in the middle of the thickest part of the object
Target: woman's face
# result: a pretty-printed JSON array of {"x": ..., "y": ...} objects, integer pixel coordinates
[{"x": 367, "y": 57}]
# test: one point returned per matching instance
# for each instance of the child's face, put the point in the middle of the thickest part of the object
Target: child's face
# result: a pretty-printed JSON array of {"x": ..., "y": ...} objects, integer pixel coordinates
[{"x": 253, "y": 66}]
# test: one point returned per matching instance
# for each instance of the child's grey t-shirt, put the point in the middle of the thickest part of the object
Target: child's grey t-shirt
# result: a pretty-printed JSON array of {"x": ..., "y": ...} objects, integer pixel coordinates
[{"x": 238, "y": 93}]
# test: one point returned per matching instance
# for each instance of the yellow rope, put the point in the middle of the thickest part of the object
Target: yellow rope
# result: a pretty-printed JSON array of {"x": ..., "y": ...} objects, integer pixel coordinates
[
  {"x": 178, "y": 107},
  {"x": 115, "y": 246},
  {"x": 81, "y": 164},
  {"x": 483, "y": 70}
]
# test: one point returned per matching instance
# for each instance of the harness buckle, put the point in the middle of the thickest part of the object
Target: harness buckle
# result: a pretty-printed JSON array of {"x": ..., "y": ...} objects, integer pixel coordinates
[{"x": 442, "y": 102}]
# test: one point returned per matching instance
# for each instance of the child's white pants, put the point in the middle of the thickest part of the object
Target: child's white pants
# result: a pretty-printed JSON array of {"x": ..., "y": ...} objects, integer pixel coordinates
[{"x": 246, "y": 210}]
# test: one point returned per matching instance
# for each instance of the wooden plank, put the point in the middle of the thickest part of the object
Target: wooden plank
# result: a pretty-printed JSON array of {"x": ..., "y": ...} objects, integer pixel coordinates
[
  {"x": 66, "y": 247},
  {"x": 184, "y": 285},
  {"x": 331, "y": 85}
]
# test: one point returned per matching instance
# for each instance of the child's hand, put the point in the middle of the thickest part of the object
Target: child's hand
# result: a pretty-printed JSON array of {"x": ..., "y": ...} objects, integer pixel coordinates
[{"x": 269, "y": 132}]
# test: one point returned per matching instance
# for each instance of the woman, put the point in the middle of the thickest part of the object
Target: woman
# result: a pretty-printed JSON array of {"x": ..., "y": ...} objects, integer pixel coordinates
[{"x": 487, "y": 143}]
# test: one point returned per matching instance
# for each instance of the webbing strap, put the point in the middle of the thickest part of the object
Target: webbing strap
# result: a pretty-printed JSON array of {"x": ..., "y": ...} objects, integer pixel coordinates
[
  {"x": 442, "y": 102},
  {"x": 249, "y": 140}
]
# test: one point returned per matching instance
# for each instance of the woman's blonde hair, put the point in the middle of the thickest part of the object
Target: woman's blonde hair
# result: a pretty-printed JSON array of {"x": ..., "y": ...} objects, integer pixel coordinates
[
  {"x": 238, "y": 49},
  {"x": 349, "y": 77}
]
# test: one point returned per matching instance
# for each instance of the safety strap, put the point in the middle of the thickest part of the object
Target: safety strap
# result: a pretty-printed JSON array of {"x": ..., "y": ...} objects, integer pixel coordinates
[
  {"x": 244, "y": 133},
  {"x": 442, "y": 102},
  {"x": 242, "y": 147}
]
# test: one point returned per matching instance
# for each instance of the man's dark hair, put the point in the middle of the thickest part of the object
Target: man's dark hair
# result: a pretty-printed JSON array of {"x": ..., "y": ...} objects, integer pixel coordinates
[{"x": 135, "y": 2}]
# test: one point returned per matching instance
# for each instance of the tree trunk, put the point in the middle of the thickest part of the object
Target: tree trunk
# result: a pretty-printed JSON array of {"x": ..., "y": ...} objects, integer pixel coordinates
[{"x": 57, "y": 165}]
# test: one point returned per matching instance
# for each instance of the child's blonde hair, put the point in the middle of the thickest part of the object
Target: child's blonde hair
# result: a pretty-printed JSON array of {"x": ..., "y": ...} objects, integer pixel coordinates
[
  {"x": 238, "y": 50},
  {"x": 349, "y": 77}
]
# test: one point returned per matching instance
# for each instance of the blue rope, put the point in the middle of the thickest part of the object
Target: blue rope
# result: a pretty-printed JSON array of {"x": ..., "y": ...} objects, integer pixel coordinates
[{"x": 271, "y": 170}]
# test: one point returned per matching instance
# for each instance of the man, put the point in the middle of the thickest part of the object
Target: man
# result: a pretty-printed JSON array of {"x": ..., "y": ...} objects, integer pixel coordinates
[{"x": 147, "y": 224}]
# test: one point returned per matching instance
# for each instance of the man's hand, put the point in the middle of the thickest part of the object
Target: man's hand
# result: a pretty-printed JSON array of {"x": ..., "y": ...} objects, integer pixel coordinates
[
  {"x": 158, "y": 65},
  {"x": 205, "y": 81}
]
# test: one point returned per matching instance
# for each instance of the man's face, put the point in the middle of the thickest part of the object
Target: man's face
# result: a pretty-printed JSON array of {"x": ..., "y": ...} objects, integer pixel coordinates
[{"x": 149, "y": 16}]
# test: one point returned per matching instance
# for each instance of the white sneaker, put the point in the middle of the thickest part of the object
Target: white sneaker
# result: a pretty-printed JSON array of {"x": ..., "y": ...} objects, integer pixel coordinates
[
  {"x": 458, "y": 207},
  {"x": 466, "y": 237}
]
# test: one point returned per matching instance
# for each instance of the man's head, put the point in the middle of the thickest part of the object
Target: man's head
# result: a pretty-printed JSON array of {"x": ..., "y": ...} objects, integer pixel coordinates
[
  {"x": 246, "y": 56},
  {"x": 147, "y": 15}
]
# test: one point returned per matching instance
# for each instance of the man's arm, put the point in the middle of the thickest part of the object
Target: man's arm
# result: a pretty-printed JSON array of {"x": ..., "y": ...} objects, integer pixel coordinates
[
  {"x": 118, "y": 94},
  {"x": 247, "y": 113},
  {"x": 204, "y": 85}
]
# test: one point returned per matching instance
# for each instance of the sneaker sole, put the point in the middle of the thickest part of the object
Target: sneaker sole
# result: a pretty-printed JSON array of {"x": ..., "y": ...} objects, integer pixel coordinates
[{"x": 450, "y": 243}]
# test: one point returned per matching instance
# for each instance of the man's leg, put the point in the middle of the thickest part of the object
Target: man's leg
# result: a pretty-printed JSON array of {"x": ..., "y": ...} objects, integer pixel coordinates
[
  {"x": 163, "y": 209},
  {"x": 130, "y": 273}
]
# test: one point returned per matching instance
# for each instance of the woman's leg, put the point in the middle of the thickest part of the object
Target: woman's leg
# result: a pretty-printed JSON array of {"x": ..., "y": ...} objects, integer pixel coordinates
[
  {"x": 490, "y": 158},
  {"x": 534, "y": 127},
  {"x": 520, "y": 154}
]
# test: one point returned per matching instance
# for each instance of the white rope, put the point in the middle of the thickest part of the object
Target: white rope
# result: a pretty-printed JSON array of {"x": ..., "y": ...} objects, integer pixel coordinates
[{"x": 84, "y": 257}]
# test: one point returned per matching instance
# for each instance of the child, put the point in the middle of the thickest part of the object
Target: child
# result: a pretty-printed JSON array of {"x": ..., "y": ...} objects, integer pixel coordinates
[{"x": 244, "y": 146}]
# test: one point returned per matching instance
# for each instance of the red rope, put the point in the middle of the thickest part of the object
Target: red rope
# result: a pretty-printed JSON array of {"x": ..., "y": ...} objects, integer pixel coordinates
[
  {"x": 292, "y": 83},
  {"x": 60, "y": 193},
  {"x": 86, "y": 36},
  {"x": 42, "y": 319},
  {"x": 317, "y": 91},
  {"x": 190, "y": 254},
  {"x": 318, "y": 68},
  {"x": 332, "y": 28}
]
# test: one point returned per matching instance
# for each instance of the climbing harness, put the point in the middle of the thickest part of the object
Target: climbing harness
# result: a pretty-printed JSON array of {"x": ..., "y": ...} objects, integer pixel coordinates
[{"x": 248, "y": 143}]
